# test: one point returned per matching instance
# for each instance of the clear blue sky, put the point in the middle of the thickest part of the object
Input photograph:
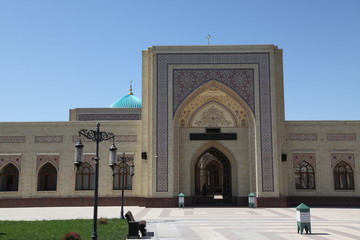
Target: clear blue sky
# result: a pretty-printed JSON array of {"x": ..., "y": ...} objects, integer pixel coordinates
[{"x": 61, "y": 54}]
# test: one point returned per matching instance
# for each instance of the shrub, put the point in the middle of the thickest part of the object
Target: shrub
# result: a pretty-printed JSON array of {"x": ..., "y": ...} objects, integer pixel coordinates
[
  {"x": 103, "y": 221},
  {"x": 72, "y": 236}
]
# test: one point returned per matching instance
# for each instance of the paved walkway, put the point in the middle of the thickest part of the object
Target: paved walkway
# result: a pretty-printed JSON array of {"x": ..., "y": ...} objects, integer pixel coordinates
[{"x": 215, "y": 223}]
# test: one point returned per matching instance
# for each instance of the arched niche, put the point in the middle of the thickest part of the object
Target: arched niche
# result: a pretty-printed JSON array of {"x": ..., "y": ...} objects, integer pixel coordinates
[
  {"x": 213, "y": 92},
  {"x": 222, "y": 98}
]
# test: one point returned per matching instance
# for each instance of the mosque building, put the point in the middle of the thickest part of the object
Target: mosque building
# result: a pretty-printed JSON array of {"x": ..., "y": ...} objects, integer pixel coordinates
[{"x": 210, "y": 125}]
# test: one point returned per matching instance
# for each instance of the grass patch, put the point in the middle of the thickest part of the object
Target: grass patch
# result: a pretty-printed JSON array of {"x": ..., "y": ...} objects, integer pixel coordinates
[{"x": 56, "y": 229}]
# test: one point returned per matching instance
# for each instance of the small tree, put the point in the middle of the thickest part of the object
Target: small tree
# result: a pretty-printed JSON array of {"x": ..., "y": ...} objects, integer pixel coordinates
[{"x": 72, "y": 236}]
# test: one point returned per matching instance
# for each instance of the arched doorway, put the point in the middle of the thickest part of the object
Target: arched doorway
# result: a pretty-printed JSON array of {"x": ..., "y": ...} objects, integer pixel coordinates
[{"x": 213, "y": 178}]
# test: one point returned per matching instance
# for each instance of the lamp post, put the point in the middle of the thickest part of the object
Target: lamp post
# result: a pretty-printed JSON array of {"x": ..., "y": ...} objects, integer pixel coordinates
[
  {"x": 96, "y": 136},
  {"x": 113, "y": 161}
]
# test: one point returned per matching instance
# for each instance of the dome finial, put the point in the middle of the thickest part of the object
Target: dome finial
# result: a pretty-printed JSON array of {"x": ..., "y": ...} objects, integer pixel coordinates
[{"x": 130, "y": 90}]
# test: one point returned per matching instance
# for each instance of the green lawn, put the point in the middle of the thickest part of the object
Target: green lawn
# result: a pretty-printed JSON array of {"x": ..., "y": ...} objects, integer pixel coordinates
[{"x": 55, "y": 230}]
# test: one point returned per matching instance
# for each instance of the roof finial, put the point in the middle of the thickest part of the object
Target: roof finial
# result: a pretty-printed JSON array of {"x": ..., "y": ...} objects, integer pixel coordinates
[
  {"x": 130, "y": 90},
  {"x": 208, "y": 38}
]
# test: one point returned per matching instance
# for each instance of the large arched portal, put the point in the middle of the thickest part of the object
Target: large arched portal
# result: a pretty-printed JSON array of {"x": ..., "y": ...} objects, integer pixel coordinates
[
  {"x": 213, "y": 136},
  {"x": 213, "y": 178}
]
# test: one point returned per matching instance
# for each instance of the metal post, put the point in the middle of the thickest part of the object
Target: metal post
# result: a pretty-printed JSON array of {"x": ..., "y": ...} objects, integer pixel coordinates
[
  {"x": 97, "y": 137},
  {"x": 123, "y": 161}
]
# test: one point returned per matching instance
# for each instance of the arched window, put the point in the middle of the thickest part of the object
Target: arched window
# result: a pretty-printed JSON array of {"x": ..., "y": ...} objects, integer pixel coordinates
[
  {"x": 85, "y": 177},
  {"x": 304, "y": 176},
  {"x": 47, "y": 178},
  {"x": 343, "y": 176},
  {"x": 9, "y": 178},
  {"x": 118, "y": 178}
]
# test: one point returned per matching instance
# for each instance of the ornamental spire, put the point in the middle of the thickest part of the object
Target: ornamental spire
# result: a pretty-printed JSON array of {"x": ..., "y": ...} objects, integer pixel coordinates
[{"x": 130, "y": 90}]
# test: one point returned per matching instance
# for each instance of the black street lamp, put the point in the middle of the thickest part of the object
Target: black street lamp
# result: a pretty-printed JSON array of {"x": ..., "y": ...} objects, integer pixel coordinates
[
  {"x": 96, "y": 136},
  {"x": 113, "y": 161}
]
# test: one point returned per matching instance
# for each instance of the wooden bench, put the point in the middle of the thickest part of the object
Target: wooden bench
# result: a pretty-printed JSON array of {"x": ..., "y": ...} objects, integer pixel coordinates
[{"x": 135, "y": 226}]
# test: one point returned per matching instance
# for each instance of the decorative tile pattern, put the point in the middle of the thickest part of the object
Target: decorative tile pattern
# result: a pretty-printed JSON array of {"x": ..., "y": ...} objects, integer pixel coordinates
[
  {"x": 252, "y": 157},
  {"x": 42, "y": 159},
  {"x": 12, "y": 139},
  {"x": 240, "y": 80},
  {"x": 308, "y": 157},
  {"x": 118, "y": 138},
  {"x": 341, "y": 136},
  {"x": 346, "y": 157},
  {"x": 125, "y": 138},
  {"x": 90, "y": 158},
  {"x": 213, "y": 117},
  {"x": 48, "y": 139},
  {"x": 108, "y": 117},
  {"x": 165, "y": 60},
  {"x": 11, "y": 158},
  {"x": 193, "y": 104},
  {"x": 303, "y": 136},
  {"x": 75, "y": 139}
]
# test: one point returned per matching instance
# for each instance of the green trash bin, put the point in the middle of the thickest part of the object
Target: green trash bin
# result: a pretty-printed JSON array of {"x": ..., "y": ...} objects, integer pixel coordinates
[
  {"x": 252, "y": 200},
  {"x": 303, "y": 218},
  {"x": 181, "y": 200}
]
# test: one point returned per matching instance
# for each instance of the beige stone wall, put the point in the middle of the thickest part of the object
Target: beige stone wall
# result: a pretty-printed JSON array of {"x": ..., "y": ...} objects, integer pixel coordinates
[
  {"x": 323, "y": 139},
  {"x": 57, "y": 139}
]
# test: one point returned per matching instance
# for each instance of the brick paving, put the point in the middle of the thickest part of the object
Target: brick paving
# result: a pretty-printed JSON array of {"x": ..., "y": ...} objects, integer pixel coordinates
[{"x": 215, "y": 223}]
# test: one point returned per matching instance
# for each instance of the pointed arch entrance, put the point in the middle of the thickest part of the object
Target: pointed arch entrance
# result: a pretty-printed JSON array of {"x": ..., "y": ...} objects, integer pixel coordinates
[{"x": 213, "y": 178}]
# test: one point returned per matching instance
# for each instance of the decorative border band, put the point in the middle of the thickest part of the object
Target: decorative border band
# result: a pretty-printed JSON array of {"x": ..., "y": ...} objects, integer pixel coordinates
[
  {"x": 341, "y": 136},
  {"x": 303, "y": 136},
  {"x": 108, "y": 117},
  {"x": 48, "y": 139},
  {"x": 12, "y": 139},
  {"x": 118, "y": 138}
]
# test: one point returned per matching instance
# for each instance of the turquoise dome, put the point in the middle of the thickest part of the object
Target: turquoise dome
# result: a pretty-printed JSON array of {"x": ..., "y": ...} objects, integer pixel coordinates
[{"x": 129, "y": 101}]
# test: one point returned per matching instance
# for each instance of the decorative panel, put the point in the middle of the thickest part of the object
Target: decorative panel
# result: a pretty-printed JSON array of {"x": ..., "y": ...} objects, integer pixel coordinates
[
  {"x": 10, "y": 158},
  {"x": 303, "y": 136},
  {"x": 240, "y": 80},
  {"x": 308, "y": 157},
  {"x": 41, "y": 159},
  {"x": 48, "y": 139},
  {"x": 346, "y": 157},
  {"x": 213, "y": 95},
  {"x": 75, "y": 139},
  {"x": 341, "y": 136},
  {"x": 12, "y": 139},
  {"x": 213, "y": 116},
  {"x": 125, "y": 138},
  {"x": 90, "y": 158}
]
